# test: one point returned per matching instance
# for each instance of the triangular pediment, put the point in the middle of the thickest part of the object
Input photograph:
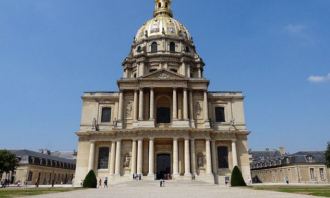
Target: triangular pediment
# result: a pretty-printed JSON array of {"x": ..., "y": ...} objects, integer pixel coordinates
[{"x": 163, "y": 74}]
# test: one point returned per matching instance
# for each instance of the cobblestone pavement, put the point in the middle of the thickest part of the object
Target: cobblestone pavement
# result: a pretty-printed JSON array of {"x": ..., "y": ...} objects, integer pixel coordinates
[{"x": 148, "y": 189}]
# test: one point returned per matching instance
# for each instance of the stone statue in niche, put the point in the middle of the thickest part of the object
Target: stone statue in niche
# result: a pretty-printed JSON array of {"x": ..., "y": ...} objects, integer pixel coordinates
[
  {"x": 94, "y": 125},
  {"x": 129, "y": 108},
  {"x": 200, "y": 160},
  {"x": 198, "y": 108},
  {"x": 127, "y": 160}
]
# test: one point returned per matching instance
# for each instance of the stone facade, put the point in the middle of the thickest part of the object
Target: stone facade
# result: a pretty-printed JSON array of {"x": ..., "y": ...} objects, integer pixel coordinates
[
  {"x": 300, "y": 167},
  {"x": 163, "y": 122},
  {"x": 41, "y": 168}
]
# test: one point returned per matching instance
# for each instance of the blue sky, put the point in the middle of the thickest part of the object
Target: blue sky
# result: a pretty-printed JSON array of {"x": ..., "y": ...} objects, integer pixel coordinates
[{"x": 276, "y": 51}]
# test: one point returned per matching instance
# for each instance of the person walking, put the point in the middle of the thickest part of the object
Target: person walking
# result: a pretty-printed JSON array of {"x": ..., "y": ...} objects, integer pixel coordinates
[
  {"x": 100, "y": 183},
  {"x": 106, "y": 182}
]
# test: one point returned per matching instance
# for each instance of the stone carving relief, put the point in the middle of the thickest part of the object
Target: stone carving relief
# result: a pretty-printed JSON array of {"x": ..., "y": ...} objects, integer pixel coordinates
[
  {"x": 163, "y": 76},
  {"x": 200, "y": 160},
  {"x": 127, "y": 160}
]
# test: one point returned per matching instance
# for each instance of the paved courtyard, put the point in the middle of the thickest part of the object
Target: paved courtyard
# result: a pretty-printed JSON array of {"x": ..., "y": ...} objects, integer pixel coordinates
[{"x": 150, "y": 189}]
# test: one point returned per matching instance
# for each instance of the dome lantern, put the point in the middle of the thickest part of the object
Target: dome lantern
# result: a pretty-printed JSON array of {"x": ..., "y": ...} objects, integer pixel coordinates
[{"x": 163, "y": 7}]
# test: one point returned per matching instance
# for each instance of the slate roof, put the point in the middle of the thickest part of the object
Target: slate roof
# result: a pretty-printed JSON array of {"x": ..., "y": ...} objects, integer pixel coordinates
[
  {"x": 25, "y": 154},
  {"x": 271, "y": 159}
]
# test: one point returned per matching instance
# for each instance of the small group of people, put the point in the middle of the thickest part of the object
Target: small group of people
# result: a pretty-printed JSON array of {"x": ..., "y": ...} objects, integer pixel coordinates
[
  {"x": 105, "y": 183},
  {"x": 162, "y": 183},
  {"x": 137, "y": 177},
  {"x": 5, "y": 183}
]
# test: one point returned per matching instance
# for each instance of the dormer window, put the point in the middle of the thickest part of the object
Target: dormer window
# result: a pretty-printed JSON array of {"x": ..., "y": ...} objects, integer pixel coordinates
[
  {"x": 288, "y": 160},
  {"x": 187, "y": 49},
  {"x": 309, "y": 158}
]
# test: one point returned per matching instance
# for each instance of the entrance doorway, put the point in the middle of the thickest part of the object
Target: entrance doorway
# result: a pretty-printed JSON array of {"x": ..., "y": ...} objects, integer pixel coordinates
[
  {"x": 163, "y": 115},
  {"x": 163, "y": 166}
]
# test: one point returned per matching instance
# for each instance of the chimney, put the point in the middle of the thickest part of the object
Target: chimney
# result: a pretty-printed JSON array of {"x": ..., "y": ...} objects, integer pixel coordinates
[{"x": 282, "y": 151}]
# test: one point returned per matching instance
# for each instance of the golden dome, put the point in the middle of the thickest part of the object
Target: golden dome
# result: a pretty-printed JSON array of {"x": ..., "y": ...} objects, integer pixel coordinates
[{"x": 162, "y": 24}]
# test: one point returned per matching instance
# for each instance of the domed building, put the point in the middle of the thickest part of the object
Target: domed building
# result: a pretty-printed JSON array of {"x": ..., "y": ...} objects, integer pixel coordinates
[{"x": 163, "y": 123}]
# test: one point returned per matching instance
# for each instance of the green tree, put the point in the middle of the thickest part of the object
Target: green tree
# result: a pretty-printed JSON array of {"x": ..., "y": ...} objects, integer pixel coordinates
[
  {"x": 237, "y": 178},
  {"x": 327, "y": 155},
  {"x": 90, "y": 180},
  {"x": 8, "y": 161}
]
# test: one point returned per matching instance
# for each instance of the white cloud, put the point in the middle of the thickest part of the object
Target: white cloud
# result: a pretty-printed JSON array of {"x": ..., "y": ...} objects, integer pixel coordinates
[
  {"x": 319, "y": 79},
  {"x": 295, "y": 29}
]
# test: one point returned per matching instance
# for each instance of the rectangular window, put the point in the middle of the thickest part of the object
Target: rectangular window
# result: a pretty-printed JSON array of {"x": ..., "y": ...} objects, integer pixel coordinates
[
  {"x": 223, "y": 157},
  {"x": 220, "y": 114},
  {"x": 322, "y": 173},
  {"x": 106, "y": 114},
  {"x": 312, "y": 173},
  {"x": 103, "y": 160}
]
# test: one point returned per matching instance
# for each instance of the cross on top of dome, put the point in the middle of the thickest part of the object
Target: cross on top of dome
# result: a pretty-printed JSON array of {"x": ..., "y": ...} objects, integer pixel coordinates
[{"x": 163, "y": 7}]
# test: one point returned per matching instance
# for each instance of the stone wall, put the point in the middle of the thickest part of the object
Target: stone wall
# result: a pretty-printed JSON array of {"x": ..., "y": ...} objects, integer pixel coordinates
[{"x": 295, "y": 174}]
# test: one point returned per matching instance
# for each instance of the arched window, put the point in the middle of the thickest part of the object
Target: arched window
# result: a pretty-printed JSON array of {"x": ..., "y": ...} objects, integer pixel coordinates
[
  {"x": 154, "y": 47},
  {"x": 172, "y": 47},
  {"x": 159, "y": 5},
  {"x": 139, "y": 49},
  {"x": 166, "y": 5},
  {"x": 187, "y": 49}
]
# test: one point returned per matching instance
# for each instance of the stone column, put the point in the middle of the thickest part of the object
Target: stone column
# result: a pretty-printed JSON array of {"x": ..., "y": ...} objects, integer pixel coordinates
[
  {"x": 175, "y": 157},
  {"x": 188, "y": 72},
  {"x": 133, "y": 169},
  {"x": 152, "y": 98},
  {"x": 121, "y": 104},
  {"x": 140, "y": 157},
  {"x": 193, "y": 156},
  {"x": 208, "y": 157},
  {"x": 206, "y": 110},
  {"x": 187, "y": 158},
  {"x": 175, "y": 106},
  {"x": 135, "y": 116},
  {"x": 151, "y": 158},
  {"x": 118, "y": 157},
  {"x": 199, "y": 72},
  {"x": 112, "y": 158},
  {"x": 91, "y": 156},
  {"x": 184, "y": 68},
  {"x": 141, "y": 105},
  {"x": 214, "y": 158},
  {"x": 185, "y": 104},
  {"x": 234, "y": 153},
  {"x": 191, "y": 108}
]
